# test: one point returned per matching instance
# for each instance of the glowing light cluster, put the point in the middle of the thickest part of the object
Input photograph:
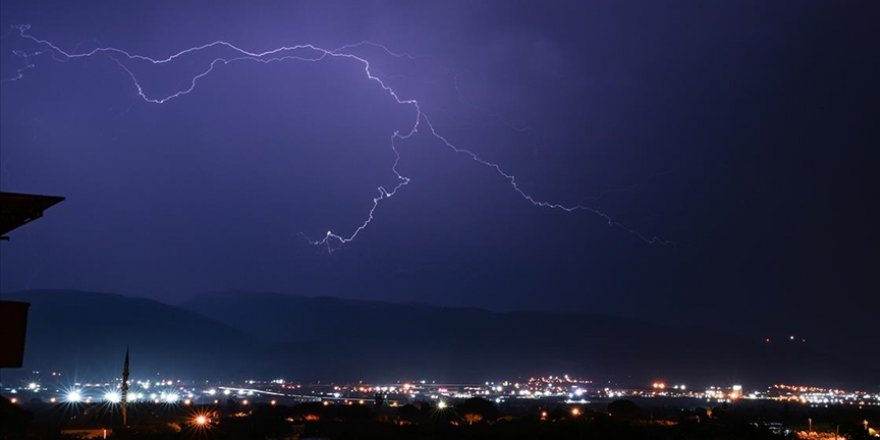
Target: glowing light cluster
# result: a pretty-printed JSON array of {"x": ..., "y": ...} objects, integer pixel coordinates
[
  {"x": 112, "y": 397},
  {"x": 74, "y": 396}
]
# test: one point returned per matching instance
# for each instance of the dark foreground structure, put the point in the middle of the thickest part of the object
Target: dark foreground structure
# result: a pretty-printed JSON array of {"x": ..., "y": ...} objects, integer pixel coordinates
[{"x": 17, "y": 210}]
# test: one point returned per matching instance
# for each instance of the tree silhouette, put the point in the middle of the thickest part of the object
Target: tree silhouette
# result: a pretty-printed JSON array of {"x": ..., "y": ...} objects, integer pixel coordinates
[
  {"x": 624, "y": 409},
  {"x": 409, "y": 413},
  {"x": 477, "y": 409}
]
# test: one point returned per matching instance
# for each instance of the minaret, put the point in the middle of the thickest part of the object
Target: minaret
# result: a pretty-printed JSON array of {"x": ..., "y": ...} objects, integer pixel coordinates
[{"x": 124, "y": 394}]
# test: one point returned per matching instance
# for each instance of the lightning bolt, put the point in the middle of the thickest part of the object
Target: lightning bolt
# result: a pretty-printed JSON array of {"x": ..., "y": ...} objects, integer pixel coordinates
[{"x": 312, "y": 53}]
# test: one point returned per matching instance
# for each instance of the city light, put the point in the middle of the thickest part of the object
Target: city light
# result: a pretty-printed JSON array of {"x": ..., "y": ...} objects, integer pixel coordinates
[
  {"x": 200, "y": 420},
  {"x": 563, "y": 389},
  {"x": 74, "y": 396},
  {"x": 737, "y": 392}
]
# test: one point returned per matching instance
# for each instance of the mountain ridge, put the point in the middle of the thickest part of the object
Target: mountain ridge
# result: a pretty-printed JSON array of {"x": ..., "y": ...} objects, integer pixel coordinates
[{"x": 238, "y": 334}]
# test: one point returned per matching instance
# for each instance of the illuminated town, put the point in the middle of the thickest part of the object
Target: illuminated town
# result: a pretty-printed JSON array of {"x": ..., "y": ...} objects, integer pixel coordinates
[{"x": 549, "y": 399}]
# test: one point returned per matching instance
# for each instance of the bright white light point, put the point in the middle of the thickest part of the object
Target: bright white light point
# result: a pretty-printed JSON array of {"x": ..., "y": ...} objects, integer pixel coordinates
[
  {"x": 171, "y": 397},
  {"x": 112, "y": 397},
  {"x": 226, "y": 392},
  {"x": 74, "y": 396},
  {"x": 329, "y": 233},
  {"x": 32, "y": 386},
  {"x": 441, "y": 405}
]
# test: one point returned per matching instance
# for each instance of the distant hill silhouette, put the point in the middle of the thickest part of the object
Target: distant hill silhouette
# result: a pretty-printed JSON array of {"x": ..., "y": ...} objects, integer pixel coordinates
[
  {"x": 85, "y": 333},
  {"x": 331, "y": 337},
  {"x": 250, "y": 334}
]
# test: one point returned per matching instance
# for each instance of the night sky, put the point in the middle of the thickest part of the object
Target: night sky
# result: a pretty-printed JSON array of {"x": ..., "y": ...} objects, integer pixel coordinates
[{"x": 745, "y": 133}]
